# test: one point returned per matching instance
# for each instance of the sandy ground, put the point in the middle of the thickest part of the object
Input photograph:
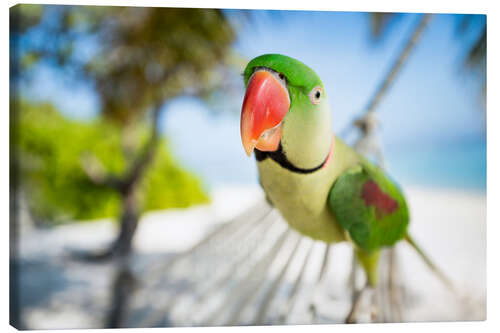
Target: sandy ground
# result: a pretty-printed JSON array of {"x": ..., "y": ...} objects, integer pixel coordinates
[{"x": 58, "y": 292}]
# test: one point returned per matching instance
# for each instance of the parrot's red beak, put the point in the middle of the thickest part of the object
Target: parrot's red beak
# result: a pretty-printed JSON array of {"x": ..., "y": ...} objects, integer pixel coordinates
[{"x": 264, "y": 107}]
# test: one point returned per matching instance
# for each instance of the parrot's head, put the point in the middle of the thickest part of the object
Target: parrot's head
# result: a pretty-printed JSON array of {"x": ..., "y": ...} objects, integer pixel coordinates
[{"x": 286, "y": 108}]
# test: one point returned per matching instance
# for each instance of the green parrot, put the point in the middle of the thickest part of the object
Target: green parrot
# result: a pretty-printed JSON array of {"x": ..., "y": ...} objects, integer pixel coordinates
[{"x": 322, "y": 187}]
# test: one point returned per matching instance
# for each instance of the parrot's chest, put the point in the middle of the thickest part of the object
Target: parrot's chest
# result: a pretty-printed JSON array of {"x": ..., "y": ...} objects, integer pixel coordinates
[{"x": 302, "y": 200}]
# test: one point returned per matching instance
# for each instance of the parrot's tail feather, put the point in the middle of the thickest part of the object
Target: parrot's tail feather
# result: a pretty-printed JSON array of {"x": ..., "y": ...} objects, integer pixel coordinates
[{"x": 430, "y": 264}]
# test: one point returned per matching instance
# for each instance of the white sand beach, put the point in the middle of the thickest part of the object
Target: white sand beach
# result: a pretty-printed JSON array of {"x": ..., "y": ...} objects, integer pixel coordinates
[{"x": 58, "y": 292}]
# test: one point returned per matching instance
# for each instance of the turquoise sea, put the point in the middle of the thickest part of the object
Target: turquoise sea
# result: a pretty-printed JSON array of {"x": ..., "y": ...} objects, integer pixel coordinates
[{"x": 456, "y": 165}]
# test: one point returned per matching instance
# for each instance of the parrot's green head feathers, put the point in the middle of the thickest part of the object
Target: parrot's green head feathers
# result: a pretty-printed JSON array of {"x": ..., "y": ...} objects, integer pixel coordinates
[
  {"x": 298, "y": 75},
  {"x": 286, "y": 107}
]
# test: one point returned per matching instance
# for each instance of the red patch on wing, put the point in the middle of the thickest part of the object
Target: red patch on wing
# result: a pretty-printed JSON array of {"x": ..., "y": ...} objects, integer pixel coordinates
[{"x": 373, "y": 196}]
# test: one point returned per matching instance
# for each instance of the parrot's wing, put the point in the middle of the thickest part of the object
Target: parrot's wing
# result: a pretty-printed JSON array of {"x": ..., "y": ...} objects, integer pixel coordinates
[{"x": 369, "y": 206}]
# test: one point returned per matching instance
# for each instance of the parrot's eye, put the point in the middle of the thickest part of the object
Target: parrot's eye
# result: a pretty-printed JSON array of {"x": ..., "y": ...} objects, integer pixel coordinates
[
  {"x": 282, "y": 77},
  {"x": 315, "y": 95}
]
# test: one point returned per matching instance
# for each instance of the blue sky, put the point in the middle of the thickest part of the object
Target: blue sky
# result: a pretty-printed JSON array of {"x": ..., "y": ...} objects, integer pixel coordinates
[{"x": 433, "y": 102}]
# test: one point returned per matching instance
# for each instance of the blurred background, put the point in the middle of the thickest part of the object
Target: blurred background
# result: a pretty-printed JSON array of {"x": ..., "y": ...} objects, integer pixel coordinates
[{"x": 126, "y": 154}]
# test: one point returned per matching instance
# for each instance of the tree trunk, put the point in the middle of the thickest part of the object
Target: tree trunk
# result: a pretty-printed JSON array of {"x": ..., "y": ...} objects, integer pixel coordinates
[
  {"x": 127, "y": 187},
  {"x": 131, "y": 210},
  {"x": 124, "y": 285},
  {"x": 128, "y": 222}
]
